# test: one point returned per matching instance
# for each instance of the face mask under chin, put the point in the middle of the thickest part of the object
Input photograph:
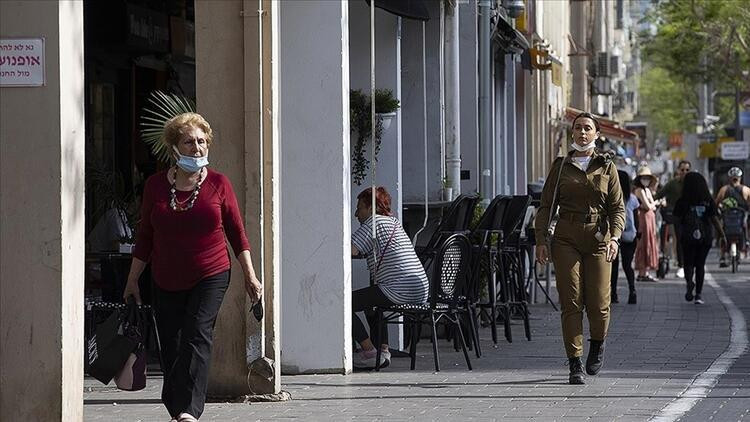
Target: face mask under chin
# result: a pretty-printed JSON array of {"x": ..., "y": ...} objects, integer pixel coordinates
[
  {"x": 191, "y": 164},
  {"x": 582, "y": 148}
]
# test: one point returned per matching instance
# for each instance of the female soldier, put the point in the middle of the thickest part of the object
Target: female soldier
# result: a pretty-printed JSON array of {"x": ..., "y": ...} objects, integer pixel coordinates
[{"x": 584, "y": 186}]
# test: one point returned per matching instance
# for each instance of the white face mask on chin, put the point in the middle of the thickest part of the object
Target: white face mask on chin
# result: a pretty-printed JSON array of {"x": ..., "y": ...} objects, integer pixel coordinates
[{"x": 583, "y": 148}]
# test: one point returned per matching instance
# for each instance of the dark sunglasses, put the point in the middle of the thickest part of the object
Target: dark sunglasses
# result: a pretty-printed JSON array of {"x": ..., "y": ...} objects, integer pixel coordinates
[{"x": 257, "y": 310}]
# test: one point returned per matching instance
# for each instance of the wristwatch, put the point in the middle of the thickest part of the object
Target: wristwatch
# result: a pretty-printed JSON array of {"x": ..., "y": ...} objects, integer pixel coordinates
[{"x": 616, "y": 239}]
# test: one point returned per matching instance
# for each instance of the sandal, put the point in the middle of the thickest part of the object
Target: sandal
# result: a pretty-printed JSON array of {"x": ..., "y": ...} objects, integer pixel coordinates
[{"x": 186, "y": 417}]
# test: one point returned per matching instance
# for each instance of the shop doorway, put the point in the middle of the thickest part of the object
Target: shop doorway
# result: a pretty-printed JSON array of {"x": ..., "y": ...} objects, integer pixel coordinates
[{"x": 132, "y": 48}]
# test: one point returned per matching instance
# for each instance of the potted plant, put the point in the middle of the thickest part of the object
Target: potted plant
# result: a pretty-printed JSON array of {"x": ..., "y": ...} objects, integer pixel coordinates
[
  {"x": 385, "y": 106},
  {"x": 361, "y": 123}
]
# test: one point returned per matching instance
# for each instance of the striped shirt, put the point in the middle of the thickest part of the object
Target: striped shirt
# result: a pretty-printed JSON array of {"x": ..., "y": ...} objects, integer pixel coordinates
[{"x": 401, "y": 275}]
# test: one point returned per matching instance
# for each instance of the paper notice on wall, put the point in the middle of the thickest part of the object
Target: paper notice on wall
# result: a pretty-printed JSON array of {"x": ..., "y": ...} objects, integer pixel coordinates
[{"x": 22, "y": 62}]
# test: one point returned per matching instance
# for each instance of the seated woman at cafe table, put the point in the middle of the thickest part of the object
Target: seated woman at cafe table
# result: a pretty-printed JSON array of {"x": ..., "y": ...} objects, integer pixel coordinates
[{"x": 397, "y": 273}]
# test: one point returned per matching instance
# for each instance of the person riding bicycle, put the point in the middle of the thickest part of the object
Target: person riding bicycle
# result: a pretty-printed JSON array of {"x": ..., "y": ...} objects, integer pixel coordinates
[{"x": 733, "y": 199}]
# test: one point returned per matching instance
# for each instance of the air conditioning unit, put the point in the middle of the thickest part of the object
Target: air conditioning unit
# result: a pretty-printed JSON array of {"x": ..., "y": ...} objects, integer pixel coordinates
[
  {"x": 603, "y": 64},
  {"x": 614, "y": 66}
]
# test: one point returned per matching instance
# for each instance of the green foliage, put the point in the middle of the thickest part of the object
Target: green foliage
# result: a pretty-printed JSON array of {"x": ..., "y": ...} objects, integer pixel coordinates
[
  {"x": 697, "y": 41},
  {"x": 161, "y": 108},
  {"x": 385, "y": 102},
  {"x": 664, "y": 101},
  {"x": 688, "y": 30},
  {"x": 361, "y": 121}
]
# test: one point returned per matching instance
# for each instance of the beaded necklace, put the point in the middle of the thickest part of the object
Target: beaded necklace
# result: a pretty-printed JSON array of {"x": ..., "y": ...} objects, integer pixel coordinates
[{"x": 185, "y": 205}]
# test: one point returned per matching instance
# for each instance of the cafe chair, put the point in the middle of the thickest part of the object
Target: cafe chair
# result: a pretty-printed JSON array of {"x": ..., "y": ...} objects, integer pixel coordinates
[{"x": 448, "y": 282}]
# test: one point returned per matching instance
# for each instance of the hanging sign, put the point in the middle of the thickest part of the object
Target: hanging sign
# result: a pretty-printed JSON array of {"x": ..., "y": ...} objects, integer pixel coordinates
[
  {"x": 22, "y": 62},
  {"x": 735, "y": 150}
]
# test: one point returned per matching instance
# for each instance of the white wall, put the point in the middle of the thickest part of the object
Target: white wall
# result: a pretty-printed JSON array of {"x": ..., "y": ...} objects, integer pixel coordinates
[
  {"x": 315, "y": 186},
  {"x": 387, "y": 76},
  {"x": 469, "y": 58},
  {"x": 412, "y": 107}
]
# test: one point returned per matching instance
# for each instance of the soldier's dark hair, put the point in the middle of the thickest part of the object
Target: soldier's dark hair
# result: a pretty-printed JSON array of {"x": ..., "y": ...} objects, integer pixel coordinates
[
  {"x": 695, "y": 189},
  {"x": 587, "y": 116}
]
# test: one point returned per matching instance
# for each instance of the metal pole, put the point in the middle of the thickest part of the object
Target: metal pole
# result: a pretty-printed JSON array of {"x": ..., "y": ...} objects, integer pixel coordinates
[
  {"x": 372, "y": 126},
  {"x": 424, "y": 133}
]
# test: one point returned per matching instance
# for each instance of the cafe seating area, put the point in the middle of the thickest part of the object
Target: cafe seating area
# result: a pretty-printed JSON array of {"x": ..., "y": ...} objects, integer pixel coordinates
[{"x": 482, "y": 273}]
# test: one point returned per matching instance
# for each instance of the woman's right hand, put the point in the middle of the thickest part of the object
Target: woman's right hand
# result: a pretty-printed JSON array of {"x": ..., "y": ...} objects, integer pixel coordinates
[
  {"x": 542, "y": 254},
  {"x": 132, "y": 289}
]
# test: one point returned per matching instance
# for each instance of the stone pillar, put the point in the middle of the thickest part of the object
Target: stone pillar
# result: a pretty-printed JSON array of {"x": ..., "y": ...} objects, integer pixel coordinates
[
  {"x": 313, "y": 89},
  {"x": 42, "y": 230},
  {"x": 228, "y": 90}
]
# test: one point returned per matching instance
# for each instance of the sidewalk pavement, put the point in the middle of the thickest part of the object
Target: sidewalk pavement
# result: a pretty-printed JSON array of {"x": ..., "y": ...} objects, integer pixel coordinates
[{"x": 655, "y": 349}]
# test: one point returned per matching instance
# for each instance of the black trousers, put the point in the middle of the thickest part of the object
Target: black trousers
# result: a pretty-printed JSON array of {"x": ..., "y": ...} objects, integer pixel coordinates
[
  {"x": 627, "y": 252},
  {"x": 694, "y": 258},
  {"x": 678, "y": 242},
  {"x": 364, "y": 300},
  {"x": 185, "y": 320}
]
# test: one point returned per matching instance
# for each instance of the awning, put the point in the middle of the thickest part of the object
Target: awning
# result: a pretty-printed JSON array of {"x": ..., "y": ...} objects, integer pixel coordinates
[
  {"x": 610, "y": 129},
  {"x": 411, "y": 9},
  {"x": 508, "y": 38}
]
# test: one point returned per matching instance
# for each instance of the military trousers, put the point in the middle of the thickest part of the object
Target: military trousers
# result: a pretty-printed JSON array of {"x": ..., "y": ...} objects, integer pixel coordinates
[{"x": 582, "y": 276}]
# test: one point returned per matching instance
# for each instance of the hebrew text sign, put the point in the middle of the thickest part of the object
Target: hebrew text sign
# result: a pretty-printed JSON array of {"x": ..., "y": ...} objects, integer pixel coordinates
[{"x": 22, "y": 62}]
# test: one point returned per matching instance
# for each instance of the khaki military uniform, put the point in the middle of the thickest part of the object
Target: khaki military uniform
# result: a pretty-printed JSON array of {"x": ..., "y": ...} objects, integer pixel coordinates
[{"x": 590, "y": 202}]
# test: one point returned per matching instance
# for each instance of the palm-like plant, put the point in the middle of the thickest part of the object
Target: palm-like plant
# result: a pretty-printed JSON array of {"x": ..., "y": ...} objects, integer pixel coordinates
[{"x": 162, "y": 107}]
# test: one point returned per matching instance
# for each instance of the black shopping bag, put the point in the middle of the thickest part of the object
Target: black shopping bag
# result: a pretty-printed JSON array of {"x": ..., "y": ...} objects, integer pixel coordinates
[
  {"x": 132, "y": 375},
  {"x": 108, "y": 348}
]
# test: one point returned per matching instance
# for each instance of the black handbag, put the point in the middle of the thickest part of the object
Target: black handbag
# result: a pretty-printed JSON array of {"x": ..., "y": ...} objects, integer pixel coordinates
[
  {"x": 132, "y": 375},
  {"x": 107, "y": 346}
]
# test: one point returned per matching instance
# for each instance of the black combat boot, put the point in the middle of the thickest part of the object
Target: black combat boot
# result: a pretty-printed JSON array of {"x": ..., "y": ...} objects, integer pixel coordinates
[
  {"x": 595, "y": 358},
  {"x": 576, "y": 371}
]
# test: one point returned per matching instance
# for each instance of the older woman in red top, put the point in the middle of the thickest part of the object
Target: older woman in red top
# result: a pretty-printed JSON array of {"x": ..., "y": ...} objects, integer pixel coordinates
[{"x": 186, "y": 212}]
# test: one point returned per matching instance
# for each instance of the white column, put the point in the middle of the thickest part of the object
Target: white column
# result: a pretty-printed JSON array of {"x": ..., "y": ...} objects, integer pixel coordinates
[
  {"x": 315, "y": 186},
  {"x": 452, "y": 99},
  {"x": 42, "y": 230}
]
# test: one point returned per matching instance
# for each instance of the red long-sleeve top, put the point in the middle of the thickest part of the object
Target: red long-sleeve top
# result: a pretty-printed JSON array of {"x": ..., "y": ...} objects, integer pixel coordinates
[{"x": 186, "y": 247}]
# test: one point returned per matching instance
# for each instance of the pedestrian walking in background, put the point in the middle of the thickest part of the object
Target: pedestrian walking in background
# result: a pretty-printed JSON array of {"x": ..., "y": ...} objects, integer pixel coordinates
[
  {"x": 669, "y": 194},
  {"x": 584, "y": 187},
  {"x": 188, "y": 213},
  {"x": 696, "y": 211},
  {"x": 733, "y": 200},
  {"x": 647, "y": 250},
  {"x": 627, "y": 242}
]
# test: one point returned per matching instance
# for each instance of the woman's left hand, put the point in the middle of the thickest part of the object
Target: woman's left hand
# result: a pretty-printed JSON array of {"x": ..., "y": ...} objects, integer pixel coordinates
[
  {"x": 612, "y": 248},
  {"x": 254, "y": 288}
]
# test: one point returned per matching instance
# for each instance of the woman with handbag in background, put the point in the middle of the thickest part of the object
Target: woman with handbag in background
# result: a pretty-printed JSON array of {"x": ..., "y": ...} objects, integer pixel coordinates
[
  {"x": 628, "y": 242},
  {"x": 647, "y": 251},
  {"x": 187, "y": 215},
  {"x": 585, "y": 188}
]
